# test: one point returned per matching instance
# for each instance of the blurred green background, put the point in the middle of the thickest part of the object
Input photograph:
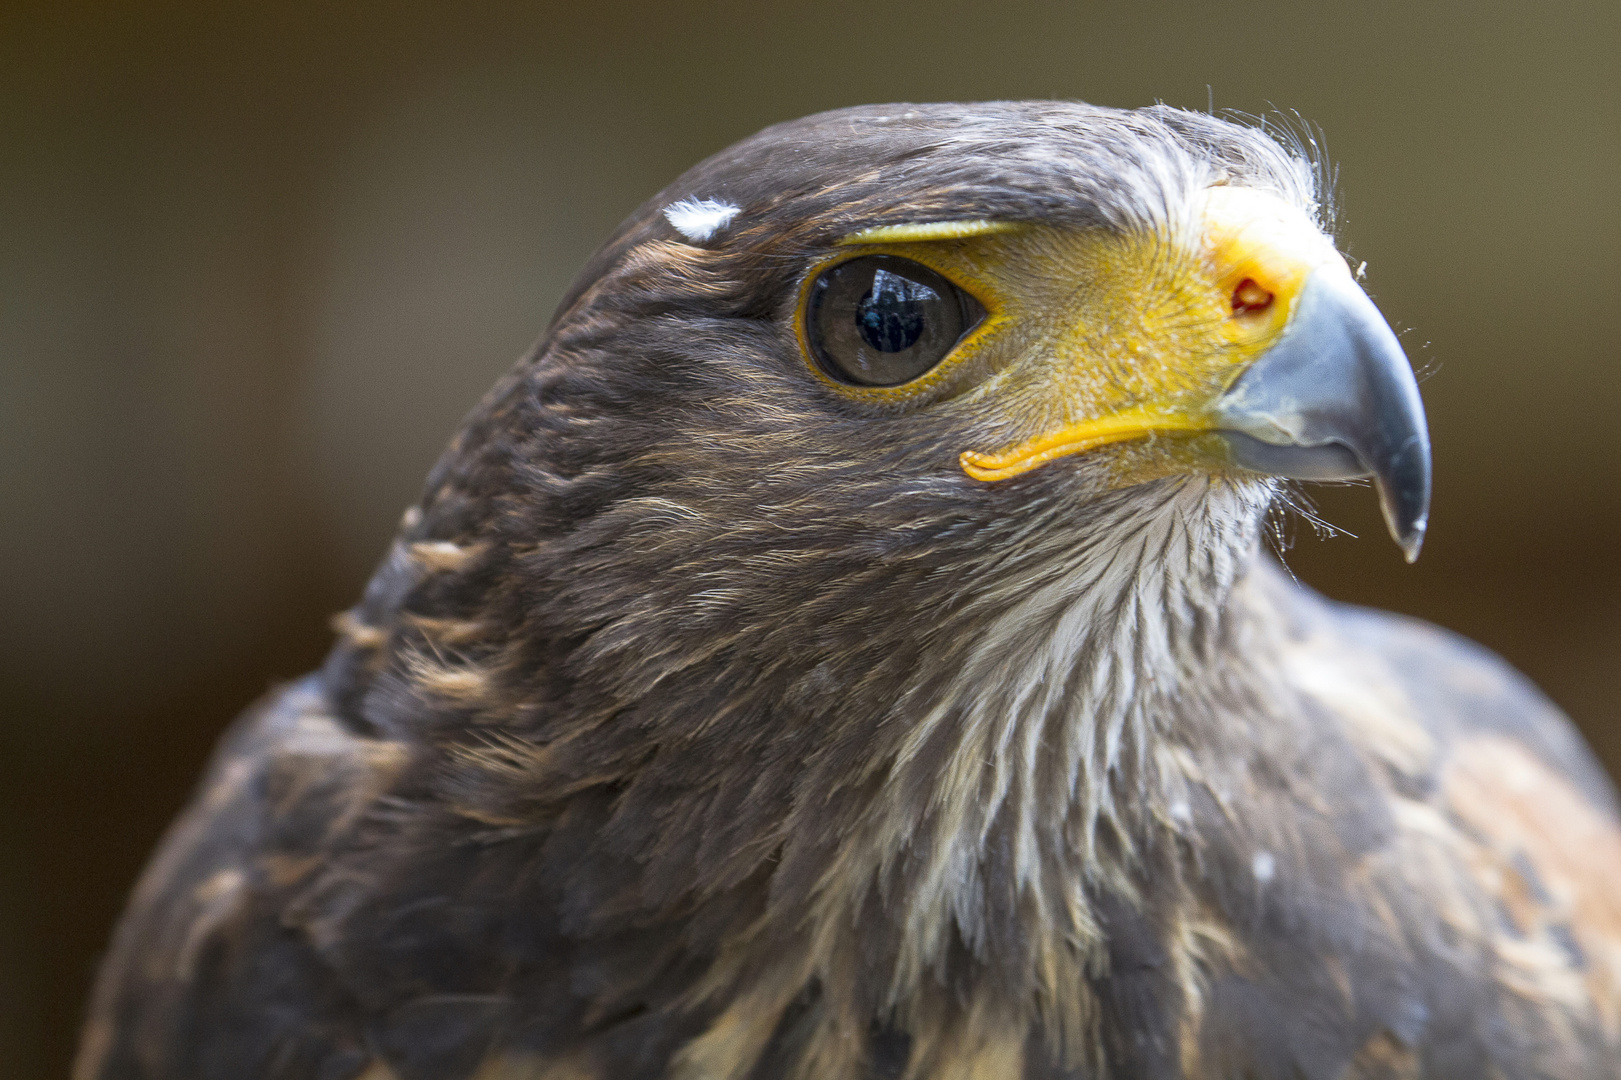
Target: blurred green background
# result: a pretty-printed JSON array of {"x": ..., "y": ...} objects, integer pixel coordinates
[{"x": 256, "y": 260}]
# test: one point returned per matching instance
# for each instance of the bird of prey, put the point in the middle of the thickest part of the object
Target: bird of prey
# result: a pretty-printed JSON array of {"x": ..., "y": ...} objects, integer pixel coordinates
[{"x": 846, "y": 647}]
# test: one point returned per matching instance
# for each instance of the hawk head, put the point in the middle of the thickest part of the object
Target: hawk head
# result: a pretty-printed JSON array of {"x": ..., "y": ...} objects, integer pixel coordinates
[{"x": 845, "y": 396}]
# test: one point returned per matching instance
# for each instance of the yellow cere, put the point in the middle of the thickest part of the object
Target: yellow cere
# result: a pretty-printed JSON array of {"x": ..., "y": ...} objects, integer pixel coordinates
[{"x": 1095, "y": 339}]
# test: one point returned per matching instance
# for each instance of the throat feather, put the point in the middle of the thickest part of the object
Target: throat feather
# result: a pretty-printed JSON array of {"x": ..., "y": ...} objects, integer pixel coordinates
[{"x": 1021, "y": 790}]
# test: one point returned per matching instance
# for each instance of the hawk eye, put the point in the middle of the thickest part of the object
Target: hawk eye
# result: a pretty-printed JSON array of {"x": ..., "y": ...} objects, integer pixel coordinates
[{"x": 880, "y": 320}]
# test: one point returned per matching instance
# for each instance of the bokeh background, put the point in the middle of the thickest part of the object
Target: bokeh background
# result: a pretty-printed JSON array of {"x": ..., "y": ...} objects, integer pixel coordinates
[{"x": 257, "y": 259}]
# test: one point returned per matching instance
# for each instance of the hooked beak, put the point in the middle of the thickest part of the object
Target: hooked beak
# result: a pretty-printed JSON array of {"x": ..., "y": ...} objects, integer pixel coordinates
[{"x": 1334, "y": 399}]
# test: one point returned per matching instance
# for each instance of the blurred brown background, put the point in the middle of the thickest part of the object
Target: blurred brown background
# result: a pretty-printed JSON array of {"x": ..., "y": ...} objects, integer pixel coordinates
[{"x": 256, "y": 261}]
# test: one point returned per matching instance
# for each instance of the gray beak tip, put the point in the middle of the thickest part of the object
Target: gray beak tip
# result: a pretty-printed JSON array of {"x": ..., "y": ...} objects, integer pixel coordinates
[
  {"x": 1412, "y": 541},
  {"x": 1403, "y": 480}
]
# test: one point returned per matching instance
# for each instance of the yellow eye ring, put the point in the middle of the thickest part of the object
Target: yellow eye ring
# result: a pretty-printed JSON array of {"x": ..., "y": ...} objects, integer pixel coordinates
[{"x": 929, "y": 383}]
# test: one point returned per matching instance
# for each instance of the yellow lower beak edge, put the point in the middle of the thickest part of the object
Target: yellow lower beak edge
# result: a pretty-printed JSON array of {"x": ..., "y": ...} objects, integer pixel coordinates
[{"x": 1076, "y": 439}]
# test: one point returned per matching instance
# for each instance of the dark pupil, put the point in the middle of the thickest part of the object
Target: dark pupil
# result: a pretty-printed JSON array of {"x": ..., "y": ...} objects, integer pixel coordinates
[{"x": 890, "y": 315}]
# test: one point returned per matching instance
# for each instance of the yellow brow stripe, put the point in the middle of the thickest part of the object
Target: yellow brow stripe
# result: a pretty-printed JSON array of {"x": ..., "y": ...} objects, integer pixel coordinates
[{"x": 930, "y": 230}]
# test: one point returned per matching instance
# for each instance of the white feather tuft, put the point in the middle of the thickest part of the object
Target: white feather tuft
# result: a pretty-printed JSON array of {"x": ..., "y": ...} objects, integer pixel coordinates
[{"x": 699, "y": 219}]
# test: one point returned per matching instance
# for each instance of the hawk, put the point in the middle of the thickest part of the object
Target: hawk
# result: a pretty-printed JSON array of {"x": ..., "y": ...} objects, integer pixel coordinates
[{"x": 846, "y": 647}]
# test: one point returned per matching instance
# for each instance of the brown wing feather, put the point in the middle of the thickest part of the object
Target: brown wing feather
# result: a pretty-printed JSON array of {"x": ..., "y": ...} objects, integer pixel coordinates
[
  {"x": 1532, "y": 815},
  {"x": 203, "y": 980},
  {"x": 1474, "y": 871},
  {"x": 1553, "y": 860}
]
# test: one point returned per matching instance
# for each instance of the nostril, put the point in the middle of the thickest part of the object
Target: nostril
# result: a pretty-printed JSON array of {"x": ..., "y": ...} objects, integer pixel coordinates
[{"x": 1250, "y": 297}]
